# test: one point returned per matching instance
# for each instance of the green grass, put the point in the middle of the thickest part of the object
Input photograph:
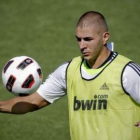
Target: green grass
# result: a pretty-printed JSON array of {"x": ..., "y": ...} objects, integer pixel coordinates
[{"x": 45, "y": 30}]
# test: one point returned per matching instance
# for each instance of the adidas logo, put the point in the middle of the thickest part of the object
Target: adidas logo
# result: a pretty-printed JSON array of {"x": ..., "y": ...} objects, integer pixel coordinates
[{"x": 104, "y": 87}]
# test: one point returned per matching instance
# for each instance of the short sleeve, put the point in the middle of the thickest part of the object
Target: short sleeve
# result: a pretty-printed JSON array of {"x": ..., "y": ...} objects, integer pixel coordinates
[
  {"x": 131, "y": 81},
  {"x": 54, "y": 86}
]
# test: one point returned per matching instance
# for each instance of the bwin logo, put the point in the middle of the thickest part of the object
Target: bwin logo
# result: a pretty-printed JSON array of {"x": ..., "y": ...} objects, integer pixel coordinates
[{"x": 99, "y": 102}]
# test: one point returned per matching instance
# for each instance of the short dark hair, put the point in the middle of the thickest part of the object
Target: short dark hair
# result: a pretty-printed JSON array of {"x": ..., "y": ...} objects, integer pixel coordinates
[{"x": 92, "y": 18}]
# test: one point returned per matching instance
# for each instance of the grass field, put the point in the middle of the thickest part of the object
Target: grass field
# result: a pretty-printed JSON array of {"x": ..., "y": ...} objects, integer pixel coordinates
[{"x": 45, "y": 30}]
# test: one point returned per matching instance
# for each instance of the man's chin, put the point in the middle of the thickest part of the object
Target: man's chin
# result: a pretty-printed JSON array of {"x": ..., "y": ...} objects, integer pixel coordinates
[{"x": 87, "y": 58}]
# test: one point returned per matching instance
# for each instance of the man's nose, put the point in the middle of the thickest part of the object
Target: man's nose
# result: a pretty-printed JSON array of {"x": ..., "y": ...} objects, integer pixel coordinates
[{"x": 82, "y": 44}]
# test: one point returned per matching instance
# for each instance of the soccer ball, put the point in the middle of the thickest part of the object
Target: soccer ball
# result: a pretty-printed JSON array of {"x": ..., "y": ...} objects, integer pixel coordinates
[{"x": 22, "y": 75}]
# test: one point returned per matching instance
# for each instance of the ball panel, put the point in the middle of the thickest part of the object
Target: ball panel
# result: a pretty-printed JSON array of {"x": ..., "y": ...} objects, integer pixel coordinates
[
  {"x": 28, "y": 82},
  {"x": 25, "y": 63},
  {"x": 10, "y": 83},
  {"x": 7, "y": 65}
]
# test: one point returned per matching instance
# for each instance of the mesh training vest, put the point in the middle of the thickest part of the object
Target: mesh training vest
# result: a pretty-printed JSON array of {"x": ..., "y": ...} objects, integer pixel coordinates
[{"x": 99, "y": 109}]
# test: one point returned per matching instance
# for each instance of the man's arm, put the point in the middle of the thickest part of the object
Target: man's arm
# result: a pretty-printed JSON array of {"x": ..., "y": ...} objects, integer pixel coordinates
[
  {"x": 22, "y": 105},
  {"x": 131, "y": 83},
  {"x": 52, "y": 89}
]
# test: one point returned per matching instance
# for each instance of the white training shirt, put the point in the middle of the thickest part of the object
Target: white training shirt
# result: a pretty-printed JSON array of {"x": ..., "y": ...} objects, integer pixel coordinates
[{"x": 54, "y": 86}]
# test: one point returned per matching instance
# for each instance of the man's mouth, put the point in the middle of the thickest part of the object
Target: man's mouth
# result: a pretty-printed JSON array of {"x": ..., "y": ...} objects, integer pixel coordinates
[{"x": 85, "y": 53}]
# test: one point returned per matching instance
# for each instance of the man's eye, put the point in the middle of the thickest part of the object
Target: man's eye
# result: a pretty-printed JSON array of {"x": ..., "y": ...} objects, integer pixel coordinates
[
  {"x": 87, "y": 39},
  {"x": 78, "y": 39}
]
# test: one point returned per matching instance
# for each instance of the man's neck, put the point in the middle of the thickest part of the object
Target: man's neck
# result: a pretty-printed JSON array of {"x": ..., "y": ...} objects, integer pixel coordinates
[{"x": 102, "y": 57}]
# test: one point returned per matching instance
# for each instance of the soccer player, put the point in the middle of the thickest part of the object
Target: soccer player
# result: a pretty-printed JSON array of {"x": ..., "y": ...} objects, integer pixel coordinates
[{"x": 102, "y": 87}]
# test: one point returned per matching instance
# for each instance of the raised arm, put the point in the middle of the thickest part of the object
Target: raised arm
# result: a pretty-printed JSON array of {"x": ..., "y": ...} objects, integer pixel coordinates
[{"x": 22, "y": 105}]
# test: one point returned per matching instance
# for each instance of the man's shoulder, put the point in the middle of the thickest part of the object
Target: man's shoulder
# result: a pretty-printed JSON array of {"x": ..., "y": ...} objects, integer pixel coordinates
[
  {"x": 121, "y": 60},
  {"x": 132, "y": 68},
  {"x": 123, "y": 57}
]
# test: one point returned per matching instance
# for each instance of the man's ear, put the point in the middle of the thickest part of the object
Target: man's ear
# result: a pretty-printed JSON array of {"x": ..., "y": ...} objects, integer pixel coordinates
[{"x": 105, "y": 37}]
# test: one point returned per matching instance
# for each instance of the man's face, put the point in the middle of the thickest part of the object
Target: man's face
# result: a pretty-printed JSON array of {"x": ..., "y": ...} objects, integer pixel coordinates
[{"x": 90, "y": 42}]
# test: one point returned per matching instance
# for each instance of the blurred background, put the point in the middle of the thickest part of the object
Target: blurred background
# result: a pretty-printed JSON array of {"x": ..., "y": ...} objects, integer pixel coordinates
[{"x": 45, "y": 31}]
